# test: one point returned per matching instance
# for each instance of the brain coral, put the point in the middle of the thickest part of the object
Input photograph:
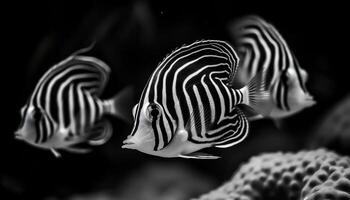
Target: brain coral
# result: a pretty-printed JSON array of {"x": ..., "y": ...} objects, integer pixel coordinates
[{"x": 306, "y": 175}]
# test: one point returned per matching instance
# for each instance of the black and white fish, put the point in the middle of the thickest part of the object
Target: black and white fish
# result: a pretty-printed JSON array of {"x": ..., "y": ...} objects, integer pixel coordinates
[
  {"x": 189, "y": 103},
  {"x": 261, "y": 47},
  {"x": 65, "y": 109}
]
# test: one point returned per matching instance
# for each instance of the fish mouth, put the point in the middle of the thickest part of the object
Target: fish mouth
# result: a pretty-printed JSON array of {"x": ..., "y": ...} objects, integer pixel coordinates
[
  {"x": 310, "y": 99},
  {"x": 127, "y": 144},
  {"x": 18, "y": 135}
]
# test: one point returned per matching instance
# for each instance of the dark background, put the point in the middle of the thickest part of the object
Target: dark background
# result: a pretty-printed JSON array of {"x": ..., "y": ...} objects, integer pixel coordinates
[{"x": 132, "y": 37}]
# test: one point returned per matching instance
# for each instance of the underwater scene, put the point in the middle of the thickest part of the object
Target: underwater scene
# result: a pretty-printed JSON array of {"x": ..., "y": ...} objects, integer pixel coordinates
[{"x": 175, "y": 100}]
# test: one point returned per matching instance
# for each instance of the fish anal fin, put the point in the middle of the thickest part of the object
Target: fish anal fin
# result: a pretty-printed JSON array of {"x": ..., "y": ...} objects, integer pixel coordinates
[
  {"x": 256, "y": 117},
  {"x": 55, "y": 153},
  {"x": 77, "y": 150},
  {"x": 198, "y": 155}
]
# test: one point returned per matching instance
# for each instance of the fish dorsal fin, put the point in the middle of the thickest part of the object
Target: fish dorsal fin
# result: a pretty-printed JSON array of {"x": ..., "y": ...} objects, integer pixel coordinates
[
  {"x": 96, "y": 66},
  {"x": 100, "y": 133},
  {"x": 89, "y": 67},
  {"x": 171, "y": 53},
  {"x": 199, "y": 155},
  {"x": 85, "y": 49},
  {"x": 179, "y": 49},
  {"x": 78, "y": 150}
]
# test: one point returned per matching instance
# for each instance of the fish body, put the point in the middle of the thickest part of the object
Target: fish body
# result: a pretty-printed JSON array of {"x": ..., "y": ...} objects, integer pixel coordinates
[
  {"x": 261, "y": 47},
  {"x": 189, "y": 103},
  {"x": 65, "y": 109}
]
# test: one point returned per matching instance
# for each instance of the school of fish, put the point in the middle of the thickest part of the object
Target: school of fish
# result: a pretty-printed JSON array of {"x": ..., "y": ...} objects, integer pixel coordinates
[{"x": 195, "y": 98}]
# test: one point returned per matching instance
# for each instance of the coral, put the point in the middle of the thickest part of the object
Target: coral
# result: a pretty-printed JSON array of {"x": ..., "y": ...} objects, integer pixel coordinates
[
  {"x": 306, "y": 175},
  {"x": 333, "y": 131}
]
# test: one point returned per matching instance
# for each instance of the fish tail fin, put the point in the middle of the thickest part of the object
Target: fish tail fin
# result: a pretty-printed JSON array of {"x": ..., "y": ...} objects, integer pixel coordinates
[
  {"x": 121, "y": 104},
  {"x": 258, "y": 95}
]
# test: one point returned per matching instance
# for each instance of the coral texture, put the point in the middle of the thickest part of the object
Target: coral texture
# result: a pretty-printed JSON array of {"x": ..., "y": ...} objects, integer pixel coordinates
[{"x": 306, "y": 175}]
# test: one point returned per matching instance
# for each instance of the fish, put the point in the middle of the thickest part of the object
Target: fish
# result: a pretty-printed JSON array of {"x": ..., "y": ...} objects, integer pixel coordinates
[
  {"x": 65, "y": 109},
  {"x": 189, "y": 103},
  {"x": 261, "y": 47}
]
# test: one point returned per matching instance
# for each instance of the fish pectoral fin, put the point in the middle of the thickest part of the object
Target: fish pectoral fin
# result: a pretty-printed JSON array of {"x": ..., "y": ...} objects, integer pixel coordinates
[
  {"x": 100, "y": 133},
  {"x": 55, "y": 153},
  {"x": 77, "y": 150},
  {"x": 199, "y": 155}
]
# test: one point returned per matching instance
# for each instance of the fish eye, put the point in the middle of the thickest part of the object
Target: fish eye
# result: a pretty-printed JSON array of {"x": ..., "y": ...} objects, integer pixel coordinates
[
  {"x": 153, "y": 111},
  {"x": 284, "y": 76},
  {"x": 37, "y": 115}
]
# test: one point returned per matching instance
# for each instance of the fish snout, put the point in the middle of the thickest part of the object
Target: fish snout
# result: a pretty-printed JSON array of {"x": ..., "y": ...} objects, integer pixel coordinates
[
  {"x": 129, "y": 143},
  {"x": 18, "y": 134},
  {"x": 310, "y": 100}
]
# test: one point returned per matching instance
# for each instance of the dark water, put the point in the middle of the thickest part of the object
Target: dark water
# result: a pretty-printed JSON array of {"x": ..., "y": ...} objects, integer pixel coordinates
[{"x": 132, "y": 37}]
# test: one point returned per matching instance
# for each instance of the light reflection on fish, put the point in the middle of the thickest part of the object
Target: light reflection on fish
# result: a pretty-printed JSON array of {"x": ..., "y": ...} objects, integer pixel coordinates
[
  {"x": 189, "y": 103},
  {"x": 65, "y": 109}
]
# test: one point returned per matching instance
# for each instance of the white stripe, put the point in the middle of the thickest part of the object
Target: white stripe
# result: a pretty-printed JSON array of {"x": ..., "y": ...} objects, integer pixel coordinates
[
  {"x": 54, "y": 80},
  {"x": 60, "y": 91},
  {"x": 218, "y": 91},
  {"x": 276, "y": 56},
  {"x": 92, "y": 109},
  {"x": 72, "y": 127},
  {"x": 256, "y": 51},
  {"x": 210, "y": 98},
  {"x": 200, "y": 108},
  {"x": 175, "y": 83},
  {"x": 82, "y": 108}
]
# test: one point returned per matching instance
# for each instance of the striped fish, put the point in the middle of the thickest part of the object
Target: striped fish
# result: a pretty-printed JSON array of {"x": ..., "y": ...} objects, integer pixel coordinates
[
  {"x": 189, "y": 103},
  {"x": 261, "y": 47},
  {"x": 65, "y": 109}
]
